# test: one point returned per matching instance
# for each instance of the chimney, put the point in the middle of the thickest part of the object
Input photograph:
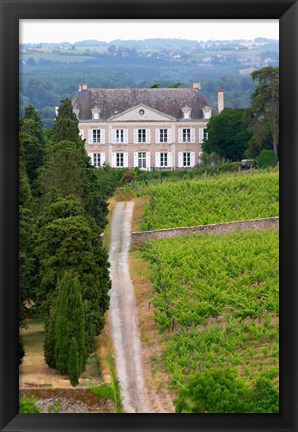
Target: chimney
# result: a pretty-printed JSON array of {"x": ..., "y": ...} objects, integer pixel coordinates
[
  {"x": 196, "y": 86},
  {"x": 220, "y": 100}
]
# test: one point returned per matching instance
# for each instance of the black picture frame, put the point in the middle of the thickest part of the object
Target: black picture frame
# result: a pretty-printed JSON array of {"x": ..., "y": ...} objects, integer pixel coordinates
[{"x": 287, "y": 13}]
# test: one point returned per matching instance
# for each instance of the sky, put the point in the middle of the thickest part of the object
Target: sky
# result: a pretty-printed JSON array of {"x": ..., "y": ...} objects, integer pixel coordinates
[{"x": 38, "y": 31}]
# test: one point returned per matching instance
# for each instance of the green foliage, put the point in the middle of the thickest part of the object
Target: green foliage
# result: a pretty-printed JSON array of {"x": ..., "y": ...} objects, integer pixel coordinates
[
  {"x": 230, "y": 197},
  {"x": 74, "y": 367},
  {"x": 217, "y": 301},
  {"x": 266, "y": 159},
  {"x": 56, "y": 408},
  {"x": 221, "y": 391},
  {"x": 32, "y": 142},
  {"x": 28, "y": 405},
  {"x": 49, "y": 340},
  {"x": 263, "y": 114},
  {"x": 215, "y": 391},
  {"x": 104, "y": 390},
  {"x": 70, "y": 355},
  {"x": 66, "y": 125},
  {"x": 228, "y": 135}
]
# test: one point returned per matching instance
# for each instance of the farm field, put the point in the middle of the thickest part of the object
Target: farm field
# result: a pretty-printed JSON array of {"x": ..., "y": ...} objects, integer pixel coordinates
[
  {"x": 225, "y": 198},
  {"x": 216, "y": 304}
]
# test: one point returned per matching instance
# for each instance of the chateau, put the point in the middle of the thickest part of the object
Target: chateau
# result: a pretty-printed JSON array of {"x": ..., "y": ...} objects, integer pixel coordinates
[{"x": 149, "y": 128}]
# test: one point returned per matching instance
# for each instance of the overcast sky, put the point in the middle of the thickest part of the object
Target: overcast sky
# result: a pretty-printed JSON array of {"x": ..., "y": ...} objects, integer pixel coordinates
[{"x": 32, "y": 31}]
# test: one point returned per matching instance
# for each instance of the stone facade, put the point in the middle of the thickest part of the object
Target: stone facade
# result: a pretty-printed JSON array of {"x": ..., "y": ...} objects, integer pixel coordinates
[
  {"x": 140, "y": 237},
  {"x": 147, "y": 128}
]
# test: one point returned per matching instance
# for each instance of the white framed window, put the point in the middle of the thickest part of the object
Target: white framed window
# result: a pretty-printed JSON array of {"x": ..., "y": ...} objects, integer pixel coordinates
[
  {"x": 203, "y": 135},
  {"x": 163, "y": 135},
  {"x": 163, "y": 159},
  {"x": 186, "y": 159},
  {"x": 141, "y": 160},
  {"x": 120, "y": 160},
  {"x": 119, "y": 136},
  {"x": 97, "y": 159},
  {"x": 142, "y": 136},
  {"x": 186, "y": 135},
  {"x": 82, "y": 133},
  {"x": 96, "y": 136}
]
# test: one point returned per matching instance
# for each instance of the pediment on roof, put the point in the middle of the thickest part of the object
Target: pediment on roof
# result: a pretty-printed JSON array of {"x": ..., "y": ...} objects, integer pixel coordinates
[{"x": 141, "y": 112}]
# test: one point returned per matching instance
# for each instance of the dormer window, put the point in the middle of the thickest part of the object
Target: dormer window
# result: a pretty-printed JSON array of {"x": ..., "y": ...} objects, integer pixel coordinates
[
  {"x": 186, "y": 110},
  {"x": 207, "y": 110},
  {"x": 96, "y": 113}
]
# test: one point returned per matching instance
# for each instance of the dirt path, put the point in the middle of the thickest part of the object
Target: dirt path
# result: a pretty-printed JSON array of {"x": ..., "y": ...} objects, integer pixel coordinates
[{"x": 123, "y": 314}]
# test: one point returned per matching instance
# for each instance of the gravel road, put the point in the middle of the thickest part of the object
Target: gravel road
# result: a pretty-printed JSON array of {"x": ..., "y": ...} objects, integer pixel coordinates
[{"x": 123, "y": 314}]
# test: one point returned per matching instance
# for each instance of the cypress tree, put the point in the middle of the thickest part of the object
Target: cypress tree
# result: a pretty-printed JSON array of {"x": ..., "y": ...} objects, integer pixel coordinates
[
  {"x": 69, "y": 324},
  {"x": 73, "y": 363}
]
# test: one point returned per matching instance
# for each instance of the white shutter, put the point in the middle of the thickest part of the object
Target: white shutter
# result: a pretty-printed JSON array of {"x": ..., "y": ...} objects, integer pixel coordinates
[
  {"x": 201, "y": 135},
  {"x": 192, "y": 159},
  {"x": 180, "y": 160},
  {"x": 135, "y": 159},
  {"x": 102, "y": 136},
  {"x": 90, "y": 136},
  {"x": 82, "y": 133},
  {"x": 157, "y": 136},
  {"x": 147, "y": 136},
  {"x": 91, "y": 158},
  {"x": 192, "y": 136},
  {"x": 125, "y": 160},
  {"x": 157, "y": 160},
  {"x": 170, "y": 136},
  {"x": 102, "y": 158},
  {"x": 135, "y": 136},
  {"x": 125, "y": 136},
  {"x": 113, "y": 136},
  {"x": 148, "y": 161},
  {"x": 180, "y": 136},
  {"x": 170, "y": 161},
  {"x": 114, "y": 160}
]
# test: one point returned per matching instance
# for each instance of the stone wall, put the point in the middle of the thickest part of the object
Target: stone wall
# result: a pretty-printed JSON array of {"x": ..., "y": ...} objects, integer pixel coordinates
[{"x": 140, "y": 237}]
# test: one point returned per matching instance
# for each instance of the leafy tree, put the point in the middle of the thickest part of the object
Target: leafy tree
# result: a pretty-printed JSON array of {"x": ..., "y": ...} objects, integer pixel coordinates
[
  {"x": 69, "y": 327},
  {"x": 49, "y": 340},
  {"x": 263, "y": 114},
  {"x": 228, "y": 135},
  {"x": 66, "y": 124},
  {"x": 264, "y": 397}
]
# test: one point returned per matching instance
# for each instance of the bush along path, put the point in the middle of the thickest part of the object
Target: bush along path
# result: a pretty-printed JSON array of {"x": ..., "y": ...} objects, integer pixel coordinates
[{"x": 123, "y": 313}]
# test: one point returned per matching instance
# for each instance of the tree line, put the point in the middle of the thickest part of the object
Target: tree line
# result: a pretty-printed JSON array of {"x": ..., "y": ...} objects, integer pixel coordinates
[
  {"x": 64, "y": 269},
  {"x": 236, "y": 134}
]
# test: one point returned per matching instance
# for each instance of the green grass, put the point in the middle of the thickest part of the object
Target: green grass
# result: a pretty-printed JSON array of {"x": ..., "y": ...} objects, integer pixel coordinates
[
  {"x": 224, "y": 198},
  {"x": 217, "y": 303}
]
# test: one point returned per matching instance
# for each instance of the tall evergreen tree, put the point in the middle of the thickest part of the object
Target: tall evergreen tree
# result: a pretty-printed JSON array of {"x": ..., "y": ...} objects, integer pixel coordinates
[
  {"x": 33, "y": 142},
  {"x": 69, "y": 326},
  {"x": 263, "y": 114}
]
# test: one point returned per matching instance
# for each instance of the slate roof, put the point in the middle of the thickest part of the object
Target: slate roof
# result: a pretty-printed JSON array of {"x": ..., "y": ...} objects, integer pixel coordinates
[{"x": 166, "y": 100}]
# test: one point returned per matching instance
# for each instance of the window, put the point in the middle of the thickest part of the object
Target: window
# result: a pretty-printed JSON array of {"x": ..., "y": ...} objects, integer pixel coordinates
[
  {"x": 163, "y": 135},
  {"x": 205, "y": 134},
  {"x": 96, "y": 159},
  {"x": 96, "y": 136},
  {"x": 119, "y": 135},
  {"x": 141, "y": 135},
  {"x": 185, "y": 135},
  {"x": 163, "y": 159},
  {"x": 119, "y": 159},
  {"x": 186, "y": 159},
  {"x": 142, "y": 159}
]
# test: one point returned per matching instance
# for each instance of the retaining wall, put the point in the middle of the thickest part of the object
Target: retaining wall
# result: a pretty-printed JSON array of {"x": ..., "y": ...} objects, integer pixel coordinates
[{"x": 140, "y": 237}]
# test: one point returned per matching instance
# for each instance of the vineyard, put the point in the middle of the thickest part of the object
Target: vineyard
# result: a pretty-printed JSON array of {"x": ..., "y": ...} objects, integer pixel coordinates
[
  {"x": 216, "y": 297},
  {"x": 202, "y": 201}
]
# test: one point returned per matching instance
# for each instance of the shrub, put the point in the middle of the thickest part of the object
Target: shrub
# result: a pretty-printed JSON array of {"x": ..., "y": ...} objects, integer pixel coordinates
[
  {"x": 28, "y": 405},
  {"x": 103, "y": 390},
  {"x": 215, "y": 391},
  {"x": 266, "y": 159}
]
